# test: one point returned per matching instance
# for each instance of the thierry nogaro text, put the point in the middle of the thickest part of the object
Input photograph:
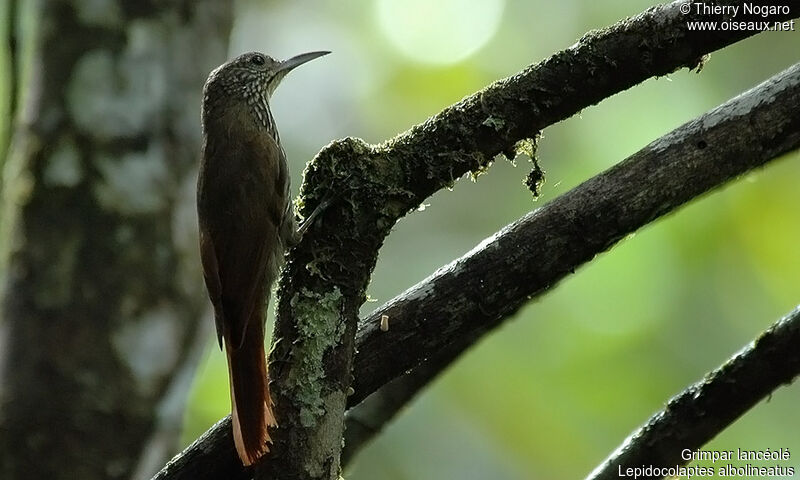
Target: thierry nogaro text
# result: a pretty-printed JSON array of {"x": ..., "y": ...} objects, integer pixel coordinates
[{"x": 746, "y": 9}]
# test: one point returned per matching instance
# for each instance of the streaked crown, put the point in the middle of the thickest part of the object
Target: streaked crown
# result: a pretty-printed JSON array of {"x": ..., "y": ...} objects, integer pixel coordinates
[{"x": 251, "y": 77}]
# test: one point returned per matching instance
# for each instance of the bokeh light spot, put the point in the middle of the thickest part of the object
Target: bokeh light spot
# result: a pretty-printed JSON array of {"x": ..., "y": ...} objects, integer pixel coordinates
[{"x": 441, "y": 32}]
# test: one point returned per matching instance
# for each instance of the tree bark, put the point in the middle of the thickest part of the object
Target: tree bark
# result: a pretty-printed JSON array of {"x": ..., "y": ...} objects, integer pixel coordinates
[
  {"x": 476, "y": 292},
  {"x": 102, "y": 302},
  {"x": 326, "y": 278},
  {"x": 453, "y": 307},
  {"x": 696, "y": 415}
]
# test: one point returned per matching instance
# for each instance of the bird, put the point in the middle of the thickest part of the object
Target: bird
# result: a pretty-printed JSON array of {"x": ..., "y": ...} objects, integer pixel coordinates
[{"x": 246, "y": 223}]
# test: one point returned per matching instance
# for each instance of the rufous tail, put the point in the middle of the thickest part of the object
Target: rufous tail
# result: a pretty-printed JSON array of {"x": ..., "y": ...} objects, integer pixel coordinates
[{"x": 251, "y": 405}]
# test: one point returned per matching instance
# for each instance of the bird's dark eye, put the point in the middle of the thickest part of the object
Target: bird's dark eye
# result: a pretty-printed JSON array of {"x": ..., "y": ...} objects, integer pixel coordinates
[{"x": 258, "y": 60}]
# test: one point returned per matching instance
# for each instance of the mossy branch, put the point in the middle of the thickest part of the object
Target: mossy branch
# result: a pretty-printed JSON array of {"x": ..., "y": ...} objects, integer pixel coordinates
[
  {"x": 377, "y": 185},
  {"x": 530, "y": 256}
]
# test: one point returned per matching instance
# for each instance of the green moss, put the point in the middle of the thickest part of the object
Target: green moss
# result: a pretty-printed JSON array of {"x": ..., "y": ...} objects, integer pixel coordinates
[
  {"x": 526, "y": 146},
  {"x": 535, "y": 178},
  {"x": 319, "y": 329}
]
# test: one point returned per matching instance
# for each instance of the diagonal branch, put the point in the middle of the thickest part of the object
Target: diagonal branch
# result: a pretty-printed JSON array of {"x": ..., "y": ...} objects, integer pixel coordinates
[
  {"x": 327, "y": 274},
  {"x": 326, "y": 278},
  {"x": 697, "y": 414},
  {"x": 366, "y": 420},
  {"x": 444, "y": 314}
]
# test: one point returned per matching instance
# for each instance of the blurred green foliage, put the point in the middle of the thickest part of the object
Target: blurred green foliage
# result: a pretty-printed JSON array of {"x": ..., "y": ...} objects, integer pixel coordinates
[
  {"x": 556, "y": 389},
  {"x": 5, "y": 81}
]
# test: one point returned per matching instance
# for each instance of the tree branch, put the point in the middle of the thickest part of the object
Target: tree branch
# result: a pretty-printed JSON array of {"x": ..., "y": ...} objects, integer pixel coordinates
[
  {"x": 706, "y": 408},
  {"x": 317, "y": 311},
  {"x": 365, "y": 420},
  {"x": 447, "y": 312},
  {"x": 327, "y": 274}
]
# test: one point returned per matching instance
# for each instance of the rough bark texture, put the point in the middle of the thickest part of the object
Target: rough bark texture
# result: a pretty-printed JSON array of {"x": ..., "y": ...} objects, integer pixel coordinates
[
  {"x": 697, "y": 414},
  {"x": 366, "y": 420},
  {"x": 326, "y": 278},
  {"x": 327, "y": 274},
  {"x": 434, "y": 321},
  {"x": 102, "y": 300},
  {"x": 530, "y": 255}
]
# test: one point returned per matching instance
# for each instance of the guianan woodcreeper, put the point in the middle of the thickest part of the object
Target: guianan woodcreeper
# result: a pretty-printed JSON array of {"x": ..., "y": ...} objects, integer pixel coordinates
[{"x": 246, "y": 222}]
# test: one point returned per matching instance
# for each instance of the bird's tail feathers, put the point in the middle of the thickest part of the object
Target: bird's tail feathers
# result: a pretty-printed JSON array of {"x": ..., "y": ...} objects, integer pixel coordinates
[{"x": 251, "y": 404}]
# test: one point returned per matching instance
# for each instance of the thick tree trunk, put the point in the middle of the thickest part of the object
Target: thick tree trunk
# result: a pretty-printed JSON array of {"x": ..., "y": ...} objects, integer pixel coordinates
[{"x": 102, "y": 295}]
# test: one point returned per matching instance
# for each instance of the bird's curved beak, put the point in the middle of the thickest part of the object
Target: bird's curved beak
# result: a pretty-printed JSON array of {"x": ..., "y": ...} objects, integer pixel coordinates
[{"x": 287, "y": 65}]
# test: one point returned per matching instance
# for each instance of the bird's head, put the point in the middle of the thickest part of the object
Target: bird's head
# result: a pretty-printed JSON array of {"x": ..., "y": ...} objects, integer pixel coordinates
[{"x": 250, "y": 77}]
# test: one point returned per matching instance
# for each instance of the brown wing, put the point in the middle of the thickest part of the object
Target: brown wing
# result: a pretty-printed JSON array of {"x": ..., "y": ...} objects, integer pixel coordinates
[{"x": 242, "y": 200}]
